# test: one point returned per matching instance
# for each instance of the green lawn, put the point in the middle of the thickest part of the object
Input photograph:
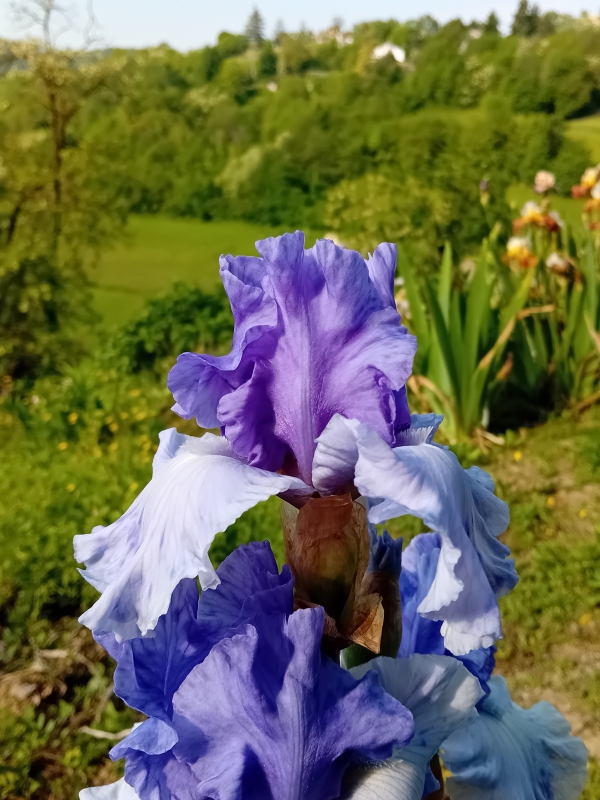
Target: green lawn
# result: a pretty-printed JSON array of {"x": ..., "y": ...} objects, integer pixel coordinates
[
  {"x": 587, "y": 131},
  {"x": 160, "y": 251}
]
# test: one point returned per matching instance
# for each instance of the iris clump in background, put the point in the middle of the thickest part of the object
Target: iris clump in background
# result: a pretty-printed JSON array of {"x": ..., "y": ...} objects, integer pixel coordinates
[{"x": 148, "y": 165}]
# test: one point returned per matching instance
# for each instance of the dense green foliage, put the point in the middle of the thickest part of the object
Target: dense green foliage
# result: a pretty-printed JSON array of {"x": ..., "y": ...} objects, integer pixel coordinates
[
  {"x": 61, "y": 200},
  {"x": 282, "y": 132},
  {"x": 225, "y": 145},
  {"x": 186, "y": 319},
  {"x": 503, "y": 342}
]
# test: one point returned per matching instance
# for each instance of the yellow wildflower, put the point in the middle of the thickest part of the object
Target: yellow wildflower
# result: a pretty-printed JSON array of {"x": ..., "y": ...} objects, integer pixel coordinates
[
  {"x": 73, "y": 417},
  {"x": 62, "y": 445}
]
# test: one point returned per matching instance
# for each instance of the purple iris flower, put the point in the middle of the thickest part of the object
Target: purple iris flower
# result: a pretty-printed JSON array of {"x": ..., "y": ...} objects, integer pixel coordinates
[
  {"x": 150, "y": 670},
  {"x": 241, "y": 702},
  {"x": 316, "y": 334},
  {"x": 311, "y": 401}
]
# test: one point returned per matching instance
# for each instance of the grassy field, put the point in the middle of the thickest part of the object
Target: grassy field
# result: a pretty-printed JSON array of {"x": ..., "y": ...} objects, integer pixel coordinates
[
  {"x": 587, "y": 131},
  {"x": 160, "y": 251}
]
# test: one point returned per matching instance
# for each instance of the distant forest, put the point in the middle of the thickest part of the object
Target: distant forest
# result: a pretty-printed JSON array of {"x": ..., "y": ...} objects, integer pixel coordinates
[{"x": 401, "y": 119}]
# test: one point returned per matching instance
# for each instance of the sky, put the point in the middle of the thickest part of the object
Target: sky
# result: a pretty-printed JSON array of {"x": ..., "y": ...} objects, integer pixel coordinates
[{"x": 190, "y": 24}]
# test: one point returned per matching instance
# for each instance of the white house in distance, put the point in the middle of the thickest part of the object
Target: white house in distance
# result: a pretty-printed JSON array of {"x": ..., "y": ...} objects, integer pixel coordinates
[{"x": 386, "y": 49}]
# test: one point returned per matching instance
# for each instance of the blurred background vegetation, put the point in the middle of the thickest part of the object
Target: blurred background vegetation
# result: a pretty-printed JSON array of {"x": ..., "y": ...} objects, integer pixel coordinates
[{"x": 125, "y": 174}]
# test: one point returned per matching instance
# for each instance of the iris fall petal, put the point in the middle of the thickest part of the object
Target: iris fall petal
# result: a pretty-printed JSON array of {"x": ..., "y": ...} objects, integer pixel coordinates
[
  {"x": 507, "y": 751},
  {"x": 199, "y": 488}
]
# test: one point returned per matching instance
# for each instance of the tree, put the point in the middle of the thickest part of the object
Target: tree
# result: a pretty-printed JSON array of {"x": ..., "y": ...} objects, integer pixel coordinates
[
  {"x": 492, "y": 23},
  {"x": 549, "y": 23},
  {"x": 293, "y": 54},
  {"x": 374, "y": 208},
  {"x": 255, "y": 29},
  {"x": 231, "y": 44},
  {"x": 527, "y": 19},
  {"x": 278, "y": 32},
  {"x": 60, "y": 189},
  {"x": 267, "y": 61}
]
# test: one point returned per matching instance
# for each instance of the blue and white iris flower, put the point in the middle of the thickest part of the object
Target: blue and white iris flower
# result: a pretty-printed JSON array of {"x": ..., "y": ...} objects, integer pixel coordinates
[{"x": 242, "y": 697}]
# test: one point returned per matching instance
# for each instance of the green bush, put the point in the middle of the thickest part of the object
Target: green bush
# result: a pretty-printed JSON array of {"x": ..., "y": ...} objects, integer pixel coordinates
[
  {"x": 38, "y": 304},
  {"x": 186, "y": 318}
]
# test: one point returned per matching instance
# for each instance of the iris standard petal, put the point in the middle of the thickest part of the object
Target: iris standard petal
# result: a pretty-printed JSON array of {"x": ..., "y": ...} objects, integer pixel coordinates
[
  {"x": 113, "y": 791},
  {"x": 382, "y": 270},
  {"x": 441, "y": 695},
  {"x": 250, "y": 585},
  {"x": 337, "y": 347},
  {"x": 510, "y": 752},
  {"x": 271, "y": 717},
  {"x": 151, "y": 669},
  {"x": 196, "y": 492},
  {"x": 198, "y": 382}
]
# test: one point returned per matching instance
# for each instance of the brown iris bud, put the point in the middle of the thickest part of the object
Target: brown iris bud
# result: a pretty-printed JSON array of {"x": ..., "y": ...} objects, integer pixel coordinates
[
  {"x": 327, "y": 548},
  {"x": 388, "y": 588}
]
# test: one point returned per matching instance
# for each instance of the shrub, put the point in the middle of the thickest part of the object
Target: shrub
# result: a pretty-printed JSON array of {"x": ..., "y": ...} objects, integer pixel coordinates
[{"x": 187, "y": 318}]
